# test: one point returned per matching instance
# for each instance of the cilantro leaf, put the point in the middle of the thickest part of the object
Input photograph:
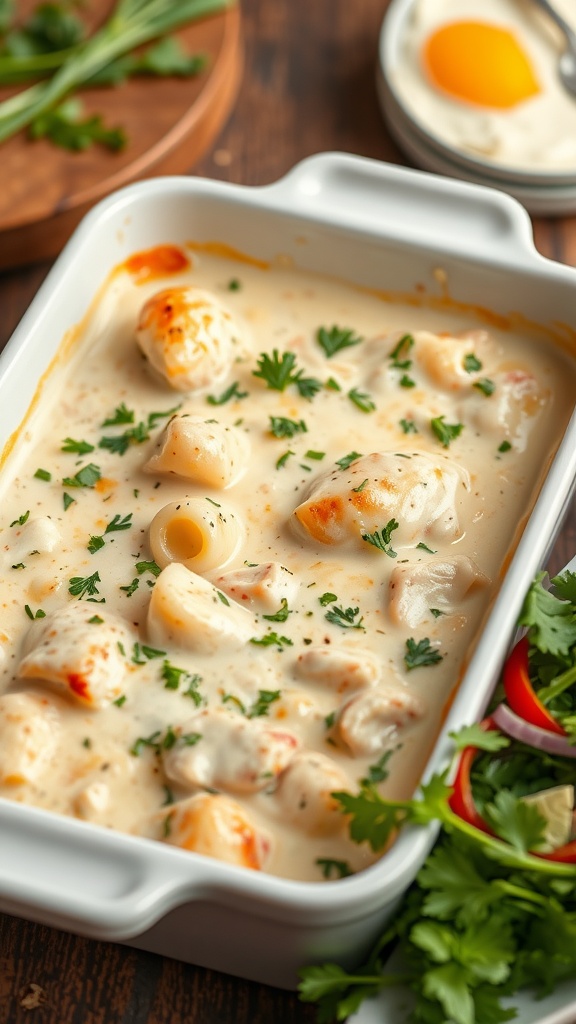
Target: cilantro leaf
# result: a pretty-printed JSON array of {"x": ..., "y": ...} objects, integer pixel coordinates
[
  {"x": 66, "y": 127},
  {"x": 231, "y": 392},
  {"x": 280, "y": 426},
  {"x": 475, "y": 736},
  {"x": 518, "y": 823},
  {"x": 565, "y": 586},
  {"x": 276, "y": 370},
  {"x": 551, "y": 621},
  {"x": 345, "y": 617}
]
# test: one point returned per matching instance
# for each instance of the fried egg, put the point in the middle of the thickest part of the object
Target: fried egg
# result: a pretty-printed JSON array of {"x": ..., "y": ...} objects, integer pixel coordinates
[{"x": 482, "y": 76}]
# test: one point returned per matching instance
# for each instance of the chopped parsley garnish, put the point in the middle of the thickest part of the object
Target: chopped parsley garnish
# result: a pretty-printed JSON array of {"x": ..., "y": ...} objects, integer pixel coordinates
[
  {"x": 381, "y": 539},
  {"x": 278, "y": 371},
  {"x": 141, "y": 653},
  {"x": 174, "y": 678},
  {"x": 421, "y": 653},
  {"x": 335, "y": 339},
  {"x": 486, "y": 386},
  {"x": 142, "y": 567},
  {"x": 281, "y": 615},
  {"x": 231, "y": 392},
  {"x": 471, "y": 364},
  {"x": 39, "y": 614},
  {"x": 21, "y": 519},
  {"x": 121, "y": 416},
  {"x": 272, "y": 639},
  {"x": 333, "y": 868},
  {"x": 505, "y": 446},
  {"x": 317, "y": 456},
  {"x": 120, "y": 700},
  {"x": 424, "y": 547},
  {"x": 361, "y": 400},
  {"x": 378, "y": 772},
  {"x": 347, "y": 460},
  {"x": 280, "y": 426},
  {"x": 436, "y": 612},
  {"x": 445, "y": 432},
  {"x": 222, "y": 597},
  {"x": 19, "y": 565},
  {"x": 401, "y": 350},
  {"x": 281, "y": 462},
  {"x": 332, "y": 384},
  {"x": 156, "y": 741},
  {"x": 406, "y": 381},
  {"x": 76, "y": 447},
  {"x": 193, "y": 682},
  {"x": 345, "y": 617},
  {"x": 360, "y": 488},
  {"x": 262, "y": 704},
  {"x": 131, "y": 587},
  {"x": 96, "y": 620},
  {"x": 234, "y": 285},
  {"x": 43, "y": 474},
  {"x": 115, "y": 524},
  {"x": 408, "y": 426},
  {"x": 327, "y": 598},
  {"x": 88, "y": 476},
  {"x": 67, "y": 500},
  {"x": 82, "y": 586}
]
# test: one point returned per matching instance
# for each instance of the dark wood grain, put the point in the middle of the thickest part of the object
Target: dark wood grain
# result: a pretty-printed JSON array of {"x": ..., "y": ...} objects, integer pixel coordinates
[{"x": 308, "y": 86}]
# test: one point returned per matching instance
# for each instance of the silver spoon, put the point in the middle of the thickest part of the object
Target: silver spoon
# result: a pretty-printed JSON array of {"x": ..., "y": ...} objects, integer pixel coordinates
[{"x": 567, "y": 62}]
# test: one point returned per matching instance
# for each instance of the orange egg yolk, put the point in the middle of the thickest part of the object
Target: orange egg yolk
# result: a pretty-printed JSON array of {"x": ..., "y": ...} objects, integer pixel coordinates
[{"x": 479, "y": 63}]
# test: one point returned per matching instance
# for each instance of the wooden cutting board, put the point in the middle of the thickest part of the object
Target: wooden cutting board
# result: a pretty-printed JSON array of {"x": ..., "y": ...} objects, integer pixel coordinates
[{"x": 170, "y": 123}]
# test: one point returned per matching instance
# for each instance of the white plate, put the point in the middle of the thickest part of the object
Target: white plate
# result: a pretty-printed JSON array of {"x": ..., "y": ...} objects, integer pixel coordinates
[{"x": 542, "y": 194}]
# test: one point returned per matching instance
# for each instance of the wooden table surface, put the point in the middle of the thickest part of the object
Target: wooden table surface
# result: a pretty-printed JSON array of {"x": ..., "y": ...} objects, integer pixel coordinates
[{"x": 308, "y": 86}]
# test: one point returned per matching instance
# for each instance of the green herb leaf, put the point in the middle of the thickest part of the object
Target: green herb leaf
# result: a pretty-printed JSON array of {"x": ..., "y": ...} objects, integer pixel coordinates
[
  {"x": 381, "y": 539},
  {"x": 347, "y": 460},
  {"x": 445, "y": 432},
  {"x": 335, "y": 339},
  {"x": 231, "y": 392},
  {"x": 88, "y": 476},
  {"x": 282, "y": 427},
  {"x": 84, "y": 586},
  {"x": 361, "y": 400},
  {"x": 346, "y": 618},
  {"x": 421, "y": 654}
]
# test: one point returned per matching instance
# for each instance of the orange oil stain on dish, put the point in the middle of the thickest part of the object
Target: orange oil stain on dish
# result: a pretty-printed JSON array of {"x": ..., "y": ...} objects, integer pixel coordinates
[
  {"x": 479, "y": 63},
  {"x": 157, "y": 262}
]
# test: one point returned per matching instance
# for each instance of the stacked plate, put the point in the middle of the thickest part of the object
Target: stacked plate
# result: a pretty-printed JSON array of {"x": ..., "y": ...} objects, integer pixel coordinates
[{"x": 544, "y": 185}]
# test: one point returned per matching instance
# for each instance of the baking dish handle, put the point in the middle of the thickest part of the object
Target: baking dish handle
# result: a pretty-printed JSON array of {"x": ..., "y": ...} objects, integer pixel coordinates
[
  {"x": 86, "y": 880},
  {"x": 410, "y": 206}
]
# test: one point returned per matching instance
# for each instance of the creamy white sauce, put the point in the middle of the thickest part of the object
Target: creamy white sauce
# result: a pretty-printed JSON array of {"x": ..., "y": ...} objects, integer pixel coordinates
[{"x": 324, "y": 674}]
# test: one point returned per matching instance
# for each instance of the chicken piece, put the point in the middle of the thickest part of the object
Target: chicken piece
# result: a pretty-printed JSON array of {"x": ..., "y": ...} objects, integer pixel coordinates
[
  {"x": 262, "y": 587},
  {"x": 200, "y": 450},
  {"x": 222, "y": 750},
  {"x": 187, "y": 336},
  {"x": 80, "y": 651},
  {"x": 29, "y": 737},
  {"x": 92, "y": 800},
  {"x": 420, "y": 491},
  {"x": 372, "y": 722},
  {"x": 339, "y": 668},
  {"x": 304, "y": 793},
  {"x": 196, "y": 533},
  {"x": 511, "y": 410},
  {"x": 39, "y": 534},
  {"x": 217, "y": 826},
  {"x": 439, "y": 583},
  {"x": 454, "y": 362},
  {"x": 188, "y": 612}
]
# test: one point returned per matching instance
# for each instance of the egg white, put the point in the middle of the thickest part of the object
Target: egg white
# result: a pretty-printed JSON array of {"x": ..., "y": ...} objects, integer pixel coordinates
[{"x": 538, "y": 134}]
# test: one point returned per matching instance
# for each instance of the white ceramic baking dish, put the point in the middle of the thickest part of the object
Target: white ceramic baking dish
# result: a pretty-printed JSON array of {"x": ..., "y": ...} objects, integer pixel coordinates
[{"x": 383, "y": 227}]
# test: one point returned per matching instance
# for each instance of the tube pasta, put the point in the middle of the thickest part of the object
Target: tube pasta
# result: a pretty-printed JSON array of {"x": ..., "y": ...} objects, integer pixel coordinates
[
  {"x": 196, "y": 533},
  {"x": 201, "y": 450}
]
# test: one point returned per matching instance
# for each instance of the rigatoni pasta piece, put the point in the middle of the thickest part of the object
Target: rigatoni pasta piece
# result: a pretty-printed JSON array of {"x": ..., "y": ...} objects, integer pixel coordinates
[{"x": 200, "y": 533}]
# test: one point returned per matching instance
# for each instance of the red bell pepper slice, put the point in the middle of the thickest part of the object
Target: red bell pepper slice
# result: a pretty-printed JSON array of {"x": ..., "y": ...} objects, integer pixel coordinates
[
  {"x": 461, "y": 802},
  {"x": 520, "y": 693}
]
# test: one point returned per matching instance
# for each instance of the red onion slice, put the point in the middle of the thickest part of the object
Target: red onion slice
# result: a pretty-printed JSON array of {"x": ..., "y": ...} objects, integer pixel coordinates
[{"x": 516, "y": 727}]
